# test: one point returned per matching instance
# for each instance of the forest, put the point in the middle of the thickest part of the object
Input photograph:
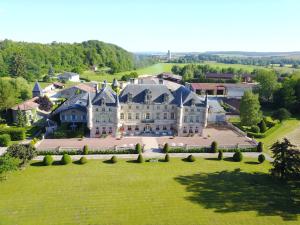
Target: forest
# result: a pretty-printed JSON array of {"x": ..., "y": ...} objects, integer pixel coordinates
[{"x": 32, "y": 60}]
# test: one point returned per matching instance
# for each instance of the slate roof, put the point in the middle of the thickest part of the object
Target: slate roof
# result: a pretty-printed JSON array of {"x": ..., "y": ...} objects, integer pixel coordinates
[
  {"x": 67, "y": 75},
  {"x": 37, "y": 88}
]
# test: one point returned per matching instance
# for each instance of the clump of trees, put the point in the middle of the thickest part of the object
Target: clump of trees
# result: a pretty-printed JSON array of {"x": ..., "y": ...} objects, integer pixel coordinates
[
  {"x": 23, "y": 152},
  {"x": 44, "y": 103},
  {"x": 286, "y": 162}
]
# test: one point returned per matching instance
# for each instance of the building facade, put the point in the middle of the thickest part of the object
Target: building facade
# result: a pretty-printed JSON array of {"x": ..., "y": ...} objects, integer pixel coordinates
[{"x": 139, "y": 109}]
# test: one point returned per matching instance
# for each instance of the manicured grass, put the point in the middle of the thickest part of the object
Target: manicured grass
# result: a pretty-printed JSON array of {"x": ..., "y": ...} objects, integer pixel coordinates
[
  {"x": 204, "y": 192},
  {"x": 282, "y": 131}
]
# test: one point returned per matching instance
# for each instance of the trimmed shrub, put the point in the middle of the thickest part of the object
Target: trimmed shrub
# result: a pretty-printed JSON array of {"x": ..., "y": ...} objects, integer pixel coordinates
[
  {"x": 16, "y": 134},
  {"x": 260, "y": 147},
  {"x": 281, "y": 114},
  {"x": 4, "y": 140},
  {"x": 167, "y": 158},
  {"x": 262, "y": 126},
  {"x": 138, "y": 148},
  {"x": 191, "y": 158},
  {"x": 255, "y": 129},
  {"x": 220, "y": 155},
  {"x": 113, "y": 159},
  {"x": 85, "y": 150},
  {"x": 48, "y": 160},
  {"x": 140, "y": 158},
  {"x": 261, "y": 158},
  {"x": 166, "y": 148},
  {"x": 237, "y": 156},
  {"x": 214, "y": 147},
  {"x": 83, "y": 160},
  {"x": 66, "y": 159}
]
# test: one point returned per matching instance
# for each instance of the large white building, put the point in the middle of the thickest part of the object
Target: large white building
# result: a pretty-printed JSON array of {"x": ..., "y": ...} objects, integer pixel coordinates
[{"x": 138, "y": 109}]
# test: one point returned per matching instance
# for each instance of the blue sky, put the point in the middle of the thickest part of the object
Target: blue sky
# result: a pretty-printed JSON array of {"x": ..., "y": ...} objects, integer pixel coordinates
[{"x": 138, "y": 25}]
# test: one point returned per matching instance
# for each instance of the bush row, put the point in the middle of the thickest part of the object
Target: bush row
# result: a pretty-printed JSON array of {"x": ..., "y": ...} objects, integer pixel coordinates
[
  {"x": 89, "y": 152},
  {"x": 262, "y": 135},
  {"x": 208, "y": 150},
  {"x": 4, "y": 140},
  {"x": 16, "y": 134},
  {"x": 65, "y": 159}
]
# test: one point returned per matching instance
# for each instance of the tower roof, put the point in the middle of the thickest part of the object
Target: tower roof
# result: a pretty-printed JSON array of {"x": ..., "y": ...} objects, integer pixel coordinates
[{"x": 37, "y": 87}]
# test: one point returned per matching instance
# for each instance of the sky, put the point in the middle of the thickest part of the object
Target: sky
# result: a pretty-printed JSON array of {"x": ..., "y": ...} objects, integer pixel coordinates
[{"x": 157, "y": 25}]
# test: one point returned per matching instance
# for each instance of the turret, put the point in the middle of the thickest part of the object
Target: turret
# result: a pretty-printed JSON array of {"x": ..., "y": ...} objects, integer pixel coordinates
[
  {"x": 205, "y": 111},
  {"x": 89, "y": 112},
  {"x": 180, "y": 115},
  {"x": 37, "y": 90},
  {"x": 118, "y": 112}
]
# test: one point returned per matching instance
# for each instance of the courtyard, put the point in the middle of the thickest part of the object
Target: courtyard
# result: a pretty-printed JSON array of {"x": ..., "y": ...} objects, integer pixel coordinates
[{"x": 224, "y": 137}]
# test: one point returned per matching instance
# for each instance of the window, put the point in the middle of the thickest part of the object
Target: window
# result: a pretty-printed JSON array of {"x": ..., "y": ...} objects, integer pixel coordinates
[
  {"x": 96, "y": 109},
  {"x": 157, "y": 116},
  {"x": 172, "y": 116},
  {"x": 109, "y": 119},
  {"x": 147, "y": 116},
  {"x": 137, "y": 128},
  {"x": 173, "y": 107},
  {"x": 122, "y": 116},
  {"x": 63, "y": 117},
  {"x": 158, "y": 107},
  {"x": 73, "y": 117},
  {"x": 129, "y": 107},
  {"x": 109, "y": 109},
  {"x": 191, "y": 130},
  {"x": 110, "y": 130},
  {"x": 165, "y": 116},
  {"x": 97, "y": 130},
  {"x": 191, "y": 119},
  {"x": 164, "y": 128},
  {"x": 184, "y": 130},
  {"x": 137, "y": 116},
  {"x": 83, "y": 117},
  {"x": 197, "y": 119},
  {"x": 103, "y": 109},
  {"x": 157, "y": 127},
  {"x": 129, "y": 116},
  {"x": 186, "y": 110},
  {"x": 196, "y": 130},
  {"x": 148, "y": 107},
  {"x": 166, "y": 107},
  {"x": 137, "y": 107},
  {"x": 198, "y": 109},
  {"x": 185, "y": 119},
  {"x": 129, "y": 128},
  {"x": 192, "y": 110}
]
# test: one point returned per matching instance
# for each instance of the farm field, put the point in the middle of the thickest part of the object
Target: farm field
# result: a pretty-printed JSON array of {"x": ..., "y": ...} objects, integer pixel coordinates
[{"x": 204, "y": 192}]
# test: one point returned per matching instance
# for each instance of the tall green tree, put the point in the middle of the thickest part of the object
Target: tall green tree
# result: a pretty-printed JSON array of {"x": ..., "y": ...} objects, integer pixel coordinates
[
  {"x": 18, "y": 64},
  {"x": 267, "y": 83},
  {"x": 23, "y": 152},
  {"x": 21, "y": 119},
  {"x": 250, "y": 112},
  {"x": 8, "y": 163},
  {"x": 286, "y": 162},
  {"x": 7, "y": 94}
]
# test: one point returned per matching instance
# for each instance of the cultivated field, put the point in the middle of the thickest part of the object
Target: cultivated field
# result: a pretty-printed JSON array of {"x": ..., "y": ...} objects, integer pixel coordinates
[{"x": 206, "y": 192}]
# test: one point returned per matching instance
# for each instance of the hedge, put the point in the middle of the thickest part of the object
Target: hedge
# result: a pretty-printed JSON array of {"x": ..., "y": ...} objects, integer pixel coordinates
[
  {"x": 208, "y": 150},
  {"x": 262, "y": 135},
  {"x": 4, "y": 140},
  {"x": 83, "y": 160},
  {"x": 16, "y": 134},
  {"x": 91, "y": 152},
  {"x": 66, "y": 159},
  {"x": 48, "y": 160}
]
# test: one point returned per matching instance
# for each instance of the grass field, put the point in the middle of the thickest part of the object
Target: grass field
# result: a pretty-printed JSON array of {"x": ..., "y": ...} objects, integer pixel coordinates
[
  {"x": 166, "y": 67},
  {"x": 206, "y": 192}
]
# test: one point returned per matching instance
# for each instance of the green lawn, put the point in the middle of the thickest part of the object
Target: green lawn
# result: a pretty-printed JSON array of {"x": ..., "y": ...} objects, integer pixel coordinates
[{"x": 204, "y": 192}]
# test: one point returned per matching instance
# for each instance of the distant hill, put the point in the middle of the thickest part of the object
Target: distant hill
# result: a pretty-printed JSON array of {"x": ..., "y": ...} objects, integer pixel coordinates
[
  {"x": 254, "y": 54},
  {"x": 31, "y": 60}
]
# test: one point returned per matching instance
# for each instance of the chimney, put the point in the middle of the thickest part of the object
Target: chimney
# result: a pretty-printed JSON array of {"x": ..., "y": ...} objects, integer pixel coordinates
[
  {"x": 160, "y": 81},
  {"x": 131, "y": 80},
  {"x": 104, "y": 84},
  {"x": 97, "y": 88}
]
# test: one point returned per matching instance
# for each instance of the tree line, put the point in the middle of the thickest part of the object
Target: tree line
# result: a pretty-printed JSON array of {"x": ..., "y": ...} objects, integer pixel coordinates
[
  {"x": 257, "y": 61},
  {"x": 32, "y": 60}
]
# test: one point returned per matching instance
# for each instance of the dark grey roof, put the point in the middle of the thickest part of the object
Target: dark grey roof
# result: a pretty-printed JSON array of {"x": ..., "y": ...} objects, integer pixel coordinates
[
  {"x": 115, "y": 83},
  {"x": 106, "y": 94},
  {"x": 67, "y": 75},
  {"x": 185, "y": 95},
  {"x": 75, "y": 102},
  {"x": 37, "y": 87},
  {"x": 138, "y": 92}
]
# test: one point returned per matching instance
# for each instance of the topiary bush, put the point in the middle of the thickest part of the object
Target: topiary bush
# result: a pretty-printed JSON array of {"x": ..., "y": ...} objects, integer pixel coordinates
[
  {"x": 214, "y": 147},
  {"x": 191, "y": 158},
  {"x": 48, "y": 160},
  {"x": 138, "y": 148},
  {"x": 83, "y": 160},
  {"x": 140, "y": 158},
  {"x": 66, "y": 159},
  {"x": 166, "y": 148},
  {"x": 167, "y": 158},
  {"x": 85, "y": 150},
  {"x": 262, "y": 126},
  {"x": 220, "y": 155},
  {"x": 260, "y": 147},
  {"x": 5, "y": 140},
  {"x": 261, "y": 158},
  {"x": 255, "y": 129},
  {"x": 237, "y": 156},
  {"x": 113, "y": 159}
]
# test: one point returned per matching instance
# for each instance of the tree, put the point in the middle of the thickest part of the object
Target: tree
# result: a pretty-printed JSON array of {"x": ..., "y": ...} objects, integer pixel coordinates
[
  {"x": 44, "y": 103},
  {"x": 22, "y": 152},
  {"x": 281, "y": 114},
  {"x": 286, "y": 162},
  {"x": 7, "y": 94},
  {"x": 18, "y": 64},
  {"x": 262, "y": 126},
  {"x": 214, "y": 147},
  {"x": 21, "y": 119},
  {"x": 51, "y": 71},
  {"x": 8, "y": 163},
  {"x": 267, "y": 83},
  {"x": 176, "y": 69},
  {"x": 250, "y": 109}
]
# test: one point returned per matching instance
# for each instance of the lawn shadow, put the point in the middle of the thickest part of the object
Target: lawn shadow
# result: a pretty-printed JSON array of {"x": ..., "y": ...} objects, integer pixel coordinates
[
  {"x": 212, "y": 159},
  {"x": 229, "y": 159},
  {"x": 252, "y": 163},
  {"x": 107, "y": 161},
  {"x": 132, "y": 161},
  {"x": 237, "y": 191},
  {"x": 38, "y": 163},
  {"x": 57, "y": 163},
  {"x": 77, "y": 162}
]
